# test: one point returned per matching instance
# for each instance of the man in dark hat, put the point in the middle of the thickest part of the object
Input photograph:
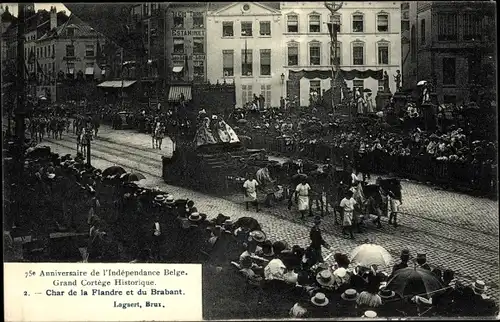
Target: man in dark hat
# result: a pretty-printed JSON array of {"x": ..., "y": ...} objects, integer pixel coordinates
[
  {"x": 317, "y": 239},
  {"x": 403, "y": 263},
  {"x": 422, "y": 261}
]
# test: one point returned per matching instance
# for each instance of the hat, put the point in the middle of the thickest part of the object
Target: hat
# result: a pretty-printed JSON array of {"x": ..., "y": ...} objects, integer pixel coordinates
[
  {"x": 350, "y": 295},
  {"x": 169, "y": 199},
  {"x": 340, "y": 272},
  {"x": 479, "y": 286},
  {"x": 319, "y": 299},
  {"x": 51, "y": 175},
  {"x": 370, "y": 314},
  {"x": 267, "y": 248},
  {"x": 228, "y": 222},
  {"x": 405, "y": 252},
  {"x": 159, "y": 198},
  {"x": 386, "y": 294},
  {"x": 257, "y": 235},
  {"x": 195, "y": 216},
  {"x": 325, "y": 278},
  {"x": 421, "y": 256}
]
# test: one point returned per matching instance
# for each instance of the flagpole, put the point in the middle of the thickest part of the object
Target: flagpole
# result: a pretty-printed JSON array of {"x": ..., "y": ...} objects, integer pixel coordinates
[{"x": 122, "y": 75}]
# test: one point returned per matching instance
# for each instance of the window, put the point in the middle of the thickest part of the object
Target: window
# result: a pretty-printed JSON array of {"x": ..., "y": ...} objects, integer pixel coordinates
[
  {"x": 449, "y": 71},
  {"x": 383, "y": 23},
  {"x": 53, "y": 50},
  {"x": 70, "y": 32},
  {"x": 422, "y": 31},
  {"x": 447, "y": 27},
  {"x": 246, "y": 93},
  {"x": 383, "y": 53},
  {"x": 48, "y": 48},
  {"x": 265, "y": 62},
  {"x": 265, "y": 90},
  {"x": 292, "y": 23},
  {"x": 178, "y": 45},
  {"x": 315, "y": 54},
  {"x": 227, "y": 29},
  {"x": 358, "y": 84},
  {"x": 336, "y": 56},
  {"x": 314, "y": 23},
  {"x": 315, "y": 87},
  {"x": 71, "y": 66},
  {"x": 265, "y": 28},
  {"x": 198, "y": 46},
  {"x": 246, "y": 62},
  {"x": 178, "y": 20},
  {"x": 44, "y": 51},
  {"x": 38, "y": 52},
  {"x": 246, "y": 28},
  {"x": 357, "y": 23},
  {"x": 336, "y": 21},
  {"x": 89, "y": 51},
  {"x": 293, "y": 55},
  {"x": 70, "y": 51},
  {"x": 405, "y": 25},
  {"x": 358, "y": 54},
  {"x": 198, "y": 69},
  {"x": 198, "y": 21},
  {"x": 472, "y": 27},
  {"x": 54, "y": 68},
  {"x": 380, "y": 85},
  {"x": 228, "y": 62}
]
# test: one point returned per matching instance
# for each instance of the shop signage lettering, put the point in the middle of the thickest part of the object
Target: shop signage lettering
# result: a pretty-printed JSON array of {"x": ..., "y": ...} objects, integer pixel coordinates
[
  {"x": 198, "y": 57},
  {"x": 184, "y": 33},
  {"x": 178, "y": 57}
]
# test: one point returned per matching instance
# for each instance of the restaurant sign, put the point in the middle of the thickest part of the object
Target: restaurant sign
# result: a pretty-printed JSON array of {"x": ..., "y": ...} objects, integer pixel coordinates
[
  {"x": 198, "y": 57},
  {"x": 177, "y": 57},
  {"x": 184, "y": 33}
]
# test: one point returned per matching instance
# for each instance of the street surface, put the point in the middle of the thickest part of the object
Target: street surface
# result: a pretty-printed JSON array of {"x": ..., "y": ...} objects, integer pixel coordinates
[{"x": 456, "y": 231}]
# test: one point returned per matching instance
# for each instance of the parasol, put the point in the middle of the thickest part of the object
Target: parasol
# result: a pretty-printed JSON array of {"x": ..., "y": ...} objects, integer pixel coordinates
[
  {"x": 370, "y": 254},
  {"x": 113, "y": 170},
  {"x": 130, "y": 177},
  {"x": 422, "y": 82},
  {"x": 411, "y": 281}
]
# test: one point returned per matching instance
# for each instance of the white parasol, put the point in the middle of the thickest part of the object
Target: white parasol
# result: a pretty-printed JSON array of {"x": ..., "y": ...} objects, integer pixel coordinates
[
  {"x": 422, "y": 82},
  {"x": 370, "y": 254}
]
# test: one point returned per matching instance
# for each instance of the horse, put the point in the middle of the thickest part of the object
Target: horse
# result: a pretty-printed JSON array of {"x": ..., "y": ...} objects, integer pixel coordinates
[{"x": 157, "y": 135}]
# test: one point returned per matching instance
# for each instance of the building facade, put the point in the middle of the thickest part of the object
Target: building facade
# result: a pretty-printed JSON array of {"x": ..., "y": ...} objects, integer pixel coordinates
[
  {"x": 450, "y": 44},
  {"x": 185, "y": 47},
  {"x": 369, "y": 39},
  {"x": 244, "y": 48}
]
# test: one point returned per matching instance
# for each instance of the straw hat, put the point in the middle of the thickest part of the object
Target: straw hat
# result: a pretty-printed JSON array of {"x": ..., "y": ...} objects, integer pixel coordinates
[
  {"x": 370, "y": 314},
  {"x": 257, "y": 235},
  {"x": 195, "y": 216},
  {"x": 340, "y": 272},
  {"x": 325, "y": 278},
  {"x": 386, "y": 294},
  {"x": 479, "y": 286},
  {"x": 51, "y": 176},
  {"x": 319, "y": 299},
  {"x": 159, "y": 198},
  {"x": 169, "y": 200},
  {"x": 350, "y": 295}
]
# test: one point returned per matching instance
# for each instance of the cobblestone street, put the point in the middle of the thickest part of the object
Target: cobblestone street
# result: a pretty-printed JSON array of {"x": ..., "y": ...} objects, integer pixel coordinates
[{"x": 456, "y": 231}]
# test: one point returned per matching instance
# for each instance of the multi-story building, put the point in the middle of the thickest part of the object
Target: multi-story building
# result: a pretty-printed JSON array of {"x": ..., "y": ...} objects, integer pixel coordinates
[
  {"x": 369, "y": 39},
  {"x": 186, "y": 46},
  {"x": 243, "y": 47},
  {"x": 66, "y": 51},
  {"x": 450, "y": 45}
]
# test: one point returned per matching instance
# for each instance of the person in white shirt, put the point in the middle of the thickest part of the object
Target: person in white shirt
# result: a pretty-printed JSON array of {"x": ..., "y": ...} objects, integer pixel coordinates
[
  {"x": 302, "y": 197},
  {"x": 347, "y": 204},
  {"x": 393, "y": 208},
  {"x": 250, "y": 187}
]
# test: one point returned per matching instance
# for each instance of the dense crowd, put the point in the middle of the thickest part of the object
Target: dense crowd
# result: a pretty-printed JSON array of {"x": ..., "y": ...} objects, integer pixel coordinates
[{"x": 126, "y": 222}]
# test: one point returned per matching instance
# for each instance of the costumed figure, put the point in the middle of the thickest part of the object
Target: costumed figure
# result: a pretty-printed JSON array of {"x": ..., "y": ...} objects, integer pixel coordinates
[
  {"x": 397, "y": 80},
  {"x": 214, "y": 127},
  {"x": 222, "y": 132},
  {"x": 204, "y": 135},
  {"x": 360, "y": 101},
  {"x": 369, "y": 103}
]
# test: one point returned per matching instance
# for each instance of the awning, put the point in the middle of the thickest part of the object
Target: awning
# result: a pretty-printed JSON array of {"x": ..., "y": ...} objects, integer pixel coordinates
[
  {"x": 177, "y": 69},
  {"x": 175, "y": 93},
  {"x": 116, "y": 84},
  {"x": 89, "y": 71}
]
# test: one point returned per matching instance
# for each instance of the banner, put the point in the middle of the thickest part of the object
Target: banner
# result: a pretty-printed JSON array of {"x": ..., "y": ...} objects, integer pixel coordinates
[{"x": 346, "y": 74}]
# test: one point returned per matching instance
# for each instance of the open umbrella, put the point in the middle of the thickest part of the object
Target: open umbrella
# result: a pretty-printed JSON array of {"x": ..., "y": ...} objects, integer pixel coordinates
[
  {"x": 422, "y": 82},
  {"x": 113, "y": 170},
  {"x": 411, "y": 281},
  {"x": 370, "y": 254},
  {"x": 130, "y": 177}
]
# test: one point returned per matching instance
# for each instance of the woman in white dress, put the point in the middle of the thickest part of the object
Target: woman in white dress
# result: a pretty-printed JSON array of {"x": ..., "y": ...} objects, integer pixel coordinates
[
  {"x": 233, "y": 138},
  {"x": 302, "y": 197},
  {"x": 250, "y": 187}
]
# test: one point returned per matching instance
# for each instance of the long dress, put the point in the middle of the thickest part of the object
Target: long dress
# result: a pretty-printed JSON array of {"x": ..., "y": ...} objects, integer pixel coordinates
[
  {"x": 232, "y": 135},
  {"x": 223, "y": 134},
  {"x": 302, "y": 191},
  {"x": 204, "y": 136}
]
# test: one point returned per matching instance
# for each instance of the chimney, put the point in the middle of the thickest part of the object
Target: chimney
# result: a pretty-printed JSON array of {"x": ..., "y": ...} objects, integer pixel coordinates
[{"x": 53, "y": 18}]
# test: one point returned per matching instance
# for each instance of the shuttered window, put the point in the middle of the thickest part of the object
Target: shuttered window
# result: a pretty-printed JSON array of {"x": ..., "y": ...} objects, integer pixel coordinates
[
  {"x": 265, "y": 62},
  {"x": 228, "y": 62}
]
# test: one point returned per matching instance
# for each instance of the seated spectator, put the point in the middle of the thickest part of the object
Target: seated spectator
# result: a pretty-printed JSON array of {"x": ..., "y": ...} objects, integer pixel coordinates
[
  {"x": 370, "y": 297},
  {"x": 359, "y": 278},
  {"x": 266, "y": 250},
  {"x": 292, "y": 258},
  {"x": 275, "y": 270},
  {"x": 346, "y": 307}
]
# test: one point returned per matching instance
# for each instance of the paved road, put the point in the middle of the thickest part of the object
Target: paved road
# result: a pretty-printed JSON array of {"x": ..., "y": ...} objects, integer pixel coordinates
[{"x": 456, "y": 231}]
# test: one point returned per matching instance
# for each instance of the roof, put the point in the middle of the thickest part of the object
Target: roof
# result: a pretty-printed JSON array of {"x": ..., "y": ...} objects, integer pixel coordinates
[
  {"x": 214, "y": 6},
  {"x": 81, "y": 29}
]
